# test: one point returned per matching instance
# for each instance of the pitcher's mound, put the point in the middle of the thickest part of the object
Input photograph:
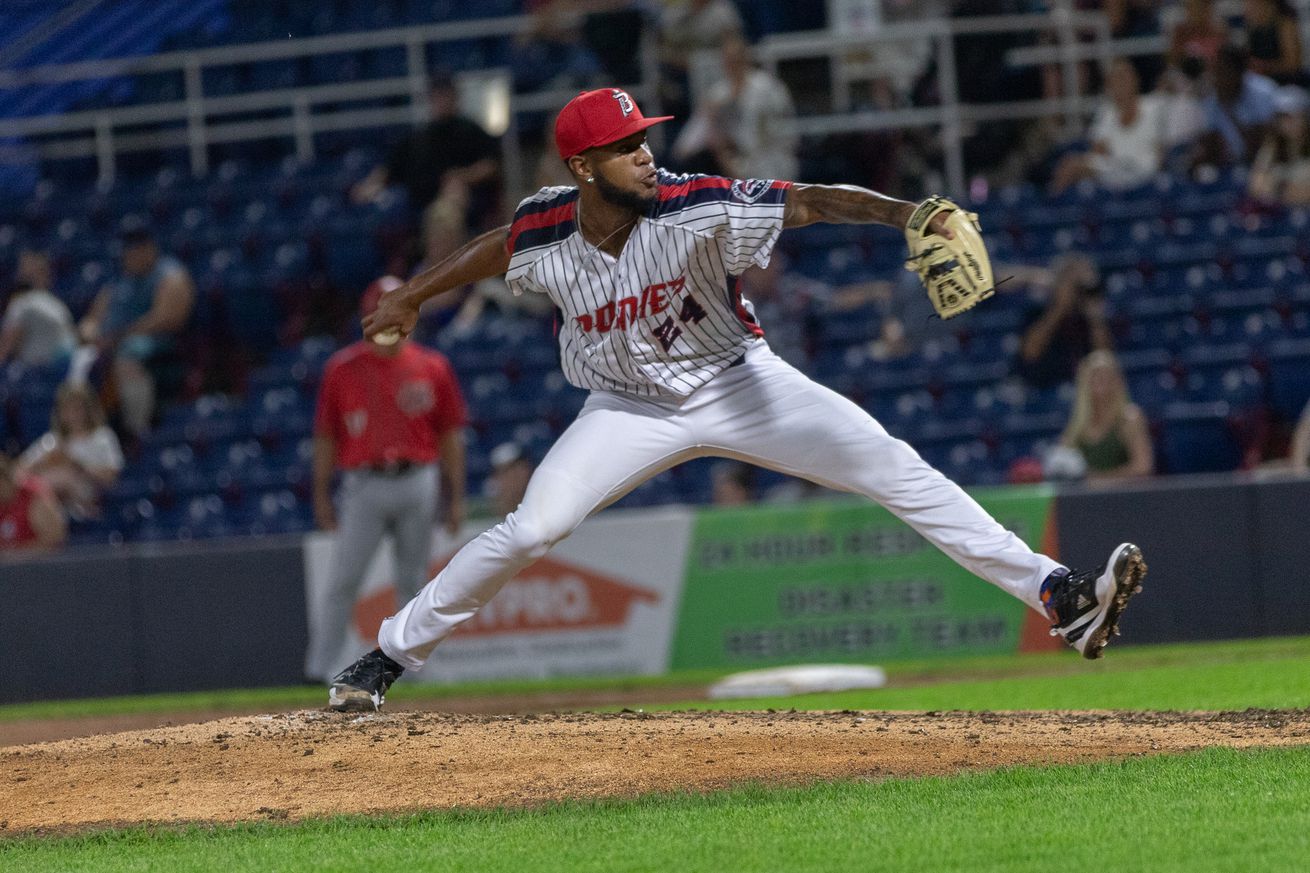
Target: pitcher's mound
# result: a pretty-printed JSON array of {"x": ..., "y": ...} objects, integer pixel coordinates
[{"x": 317, "y": 764}]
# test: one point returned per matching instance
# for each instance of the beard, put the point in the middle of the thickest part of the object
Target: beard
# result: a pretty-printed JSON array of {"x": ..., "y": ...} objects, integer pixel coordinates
[{"x": 616, "y": 196}]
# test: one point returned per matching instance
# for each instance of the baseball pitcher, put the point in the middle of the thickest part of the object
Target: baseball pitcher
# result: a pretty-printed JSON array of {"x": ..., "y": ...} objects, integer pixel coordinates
[{"x": 642, "y": 265}]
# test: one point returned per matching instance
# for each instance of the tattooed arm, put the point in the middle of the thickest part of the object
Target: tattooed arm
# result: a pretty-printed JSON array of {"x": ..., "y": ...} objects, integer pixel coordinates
[
  {"x": 851, "y": 204},
  {"x": 843, "y": 204}
]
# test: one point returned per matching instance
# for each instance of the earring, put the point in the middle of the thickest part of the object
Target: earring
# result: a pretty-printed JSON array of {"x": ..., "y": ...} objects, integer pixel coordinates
[{"x": 591, "y": 178}]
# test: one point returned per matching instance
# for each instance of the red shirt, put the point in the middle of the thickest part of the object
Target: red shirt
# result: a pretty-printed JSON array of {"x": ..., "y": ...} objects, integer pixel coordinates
[
  {"x": 380, "y": 409},
  {"x": 16, "y": 515}
]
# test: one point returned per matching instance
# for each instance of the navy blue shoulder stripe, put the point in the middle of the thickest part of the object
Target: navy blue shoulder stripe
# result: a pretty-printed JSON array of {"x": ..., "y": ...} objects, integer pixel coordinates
[{"x": 545, "y": 204}]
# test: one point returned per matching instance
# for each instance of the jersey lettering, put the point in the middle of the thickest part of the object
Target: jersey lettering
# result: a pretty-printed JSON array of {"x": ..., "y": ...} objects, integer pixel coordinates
[
  {"x": 692, "y": 311},
  {"x": 661, "y": 316},
  {"x": 652, "y": 300},
  {"x": 668, "y": 333}
]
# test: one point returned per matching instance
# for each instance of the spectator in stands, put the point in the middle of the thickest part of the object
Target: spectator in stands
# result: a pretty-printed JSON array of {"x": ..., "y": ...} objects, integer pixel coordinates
[
  {"x": 1137, "y": 18},
  {"x": 690, "y": 35},
  {"x": 462, "y": 310},
  {"x": 1281, "y": 171},
  {"x": 790, "y": 305},
  {"x": 1238, "y": 110},
  {"x": 733, "y": 484},
  {"x": 612, "y": 31},
  {"x": 1184, "y": 115},
  {"x": 1197, "y": 39},
  {"x": 784, "y": 302},
  {"x": 691, "y": 25},
  {"x": 511, "y": 468},
  {"x": 1106, "y": 427},
  {"x": 37, "y": 330},
  {"x": 549, "y": 52},
  {"x": 450, "y": 168},
  {"x": 1299, "y": 455},
  {"x": 390, "y": 417},
  {"x": 442, "y": 311},
  {"x": 134, "y": 323},
  {"x": 30, "y": 517},
  {"x": 1070, "y": 324},
  {"x": 1127, "y": 137},
  {"x": 742, "y": 123},
  {"x": 79, "y": 458},
  {"x": 908, "y": 321},
  {"x": 1273, "y": 40}
]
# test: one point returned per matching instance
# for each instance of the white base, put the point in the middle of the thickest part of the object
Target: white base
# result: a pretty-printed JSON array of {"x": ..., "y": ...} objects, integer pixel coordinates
[{"x": 805, "y": 679}]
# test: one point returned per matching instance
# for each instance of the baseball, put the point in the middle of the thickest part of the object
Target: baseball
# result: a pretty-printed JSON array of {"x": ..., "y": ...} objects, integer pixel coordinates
[{"x": 388, "y": 337}]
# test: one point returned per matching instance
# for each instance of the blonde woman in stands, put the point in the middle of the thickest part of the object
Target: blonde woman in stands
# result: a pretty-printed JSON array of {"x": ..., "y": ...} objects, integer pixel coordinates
[
  {"x": 1106, "y": 427},
  {"x": 79, "y": 458}
]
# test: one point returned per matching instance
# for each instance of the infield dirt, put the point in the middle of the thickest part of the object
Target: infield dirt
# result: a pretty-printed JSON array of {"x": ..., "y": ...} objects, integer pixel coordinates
[{"x": 311, "y": 763}]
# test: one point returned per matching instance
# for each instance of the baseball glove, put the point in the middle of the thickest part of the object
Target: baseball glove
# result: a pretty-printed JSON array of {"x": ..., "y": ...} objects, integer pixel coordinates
[{"x": 956, "y": 272}]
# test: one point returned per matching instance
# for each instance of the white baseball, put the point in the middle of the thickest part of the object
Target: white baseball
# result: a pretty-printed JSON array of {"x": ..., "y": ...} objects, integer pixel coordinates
[{"x": 388, "y": 337}]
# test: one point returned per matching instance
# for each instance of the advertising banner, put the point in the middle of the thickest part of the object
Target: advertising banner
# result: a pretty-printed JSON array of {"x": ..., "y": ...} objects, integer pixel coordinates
[
  {"x": 601, "y": 603},
  {"x": 842, "y": 582}
]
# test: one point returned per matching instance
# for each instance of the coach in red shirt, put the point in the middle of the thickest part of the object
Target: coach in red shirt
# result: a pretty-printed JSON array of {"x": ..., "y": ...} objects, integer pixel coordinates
[{"x": 390, "y": 418}]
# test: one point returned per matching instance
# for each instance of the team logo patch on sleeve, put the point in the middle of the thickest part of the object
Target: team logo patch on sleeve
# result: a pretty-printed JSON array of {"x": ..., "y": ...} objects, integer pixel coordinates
[{"x": 750, "y": 190}]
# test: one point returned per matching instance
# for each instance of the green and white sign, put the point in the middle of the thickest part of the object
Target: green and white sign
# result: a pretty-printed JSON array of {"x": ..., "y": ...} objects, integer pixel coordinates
[{"x": 839, "y": 581}]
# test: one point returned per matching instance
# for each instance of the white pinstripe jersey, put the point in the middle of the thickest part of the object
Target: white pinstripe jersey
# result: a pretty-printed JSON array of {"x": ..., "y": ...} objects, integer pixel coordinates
[{"x": 665, "y": 316}]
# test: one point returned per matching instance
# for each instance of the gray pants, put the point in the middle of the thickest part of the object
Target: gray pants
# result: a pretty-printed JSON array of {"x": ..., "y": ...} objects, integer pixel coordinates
[{"x": 369, "y": 506}]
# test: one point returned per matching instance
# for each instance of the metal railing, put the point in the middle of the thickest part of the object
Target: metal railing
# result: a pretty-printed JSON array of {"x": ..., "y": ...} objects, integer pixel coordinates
[
  {"x": 846, "y": 55},
  {"x": 199, "y": 120}
]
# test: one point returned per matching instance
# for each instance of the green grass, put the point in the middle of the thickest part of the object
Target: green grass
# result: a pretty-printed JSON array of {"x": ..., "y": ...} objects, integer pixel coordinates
[
  {"x": 1235, "y": 681},
  {"x": 1237, "y": 674},
  {"x": 1217, "y": 810}
]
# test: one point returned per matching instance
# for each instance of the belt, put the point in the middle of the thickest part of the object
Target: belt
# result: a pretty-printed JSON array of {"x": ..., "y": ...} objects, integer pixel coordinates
[{"x": 397, "y": 467}]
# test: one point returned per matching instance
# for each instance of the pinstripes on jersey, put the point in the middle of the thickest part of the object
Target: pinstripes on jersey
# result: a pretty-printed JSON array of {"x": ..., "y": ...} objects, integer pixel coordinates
[{"x": 627, "y": 324}]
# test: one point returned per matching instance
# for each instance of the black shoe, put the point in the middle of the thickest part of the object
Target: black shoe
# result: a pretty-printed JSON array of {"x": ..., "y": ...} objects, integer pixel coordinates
[
  {"x": 362, "y": 687},
  {"x": 1085, "y": 605}
]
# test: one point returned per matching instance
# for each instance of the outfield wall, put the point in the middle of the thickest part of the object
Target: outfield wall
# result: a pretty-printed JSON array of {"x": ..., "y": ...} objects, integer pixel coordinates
[
  {"x": 184, "y": 616},
  {"x": 645, "y": 591},
  {"x": 1227, "y": 558}
]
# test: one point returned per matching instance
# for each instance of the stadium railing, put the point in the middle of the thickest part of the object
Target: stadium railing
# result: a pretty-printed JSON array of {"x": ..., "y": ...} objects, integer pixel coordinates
[{"x": 198, "y": 120}]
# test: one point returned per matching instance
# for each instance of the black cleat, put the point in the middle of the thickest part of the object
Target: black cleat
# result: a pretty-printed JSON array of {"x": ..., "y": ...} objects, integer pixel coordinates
[
  {"x": 1085, "y": 605},
  {"x": 362, "y": 687}
]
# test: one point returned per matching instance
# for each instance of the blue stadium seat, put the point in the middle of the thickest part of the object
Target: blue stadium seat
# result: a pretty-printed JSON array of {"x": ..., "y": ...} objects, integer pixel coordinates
[
  {"x": 1289, "y": 377},
  {"x": 1199, "y": 437},
  {"x": 1211, "y": 360},
  {"x": 277, "y": 511}
]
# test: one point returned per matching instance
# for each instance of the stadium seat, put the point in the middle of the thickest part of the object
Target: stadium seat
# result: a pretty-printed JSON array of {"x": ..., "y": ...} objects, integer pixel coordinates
[
  {"x": 1289, "y": 377},
  {"x": 1210, "y": 300},
  {"x": 1199, "y": 437}
]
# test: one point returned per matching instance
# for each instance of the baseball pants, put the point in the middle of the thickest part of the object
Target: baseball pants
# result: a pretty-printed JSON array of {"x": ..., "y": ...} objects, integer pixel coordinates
[
  {"x": 762, "y": 411},
  {"x": 369, "y": 506}
]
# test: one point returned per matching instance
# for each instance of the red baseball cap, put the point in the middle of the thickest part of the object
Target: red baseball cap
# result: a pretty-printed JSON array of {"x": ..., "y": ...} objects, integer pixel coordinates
[
  {"x": 595, "y": 118},
  {"x": 373, "y": 293}
]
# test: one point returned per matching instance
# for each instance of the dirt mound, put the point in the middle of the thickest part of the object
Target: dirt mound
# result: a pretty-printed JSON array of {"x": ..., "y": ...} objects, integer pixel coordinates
[
  {"x": 44, "y": 730},
  {"x": 315, "y": 763}
]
